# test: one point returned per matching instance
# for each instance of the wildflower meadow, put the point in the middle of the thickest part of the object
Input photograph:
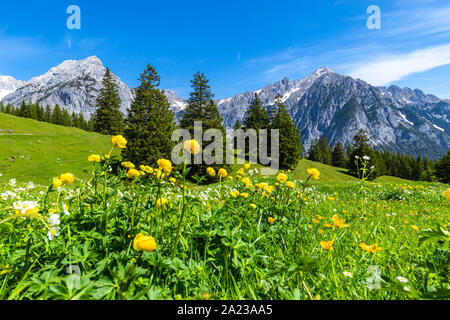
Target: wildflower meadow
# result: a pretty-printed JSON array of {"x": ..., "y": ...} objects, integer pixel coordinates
[{"x": 141, "y": 232}]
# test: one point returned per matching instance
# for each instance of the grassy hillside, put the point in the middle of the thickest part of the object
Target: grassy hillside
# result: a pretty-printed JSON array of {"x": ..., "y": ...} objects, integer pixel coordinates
[{"x": 43, "y": 151}]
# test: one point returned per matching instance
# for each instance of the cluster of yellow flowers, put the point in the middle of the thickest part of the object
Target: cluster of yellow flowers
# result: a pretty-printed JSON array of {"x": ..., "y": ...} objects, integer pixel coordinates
[
  {"x": 66, "y": 178},
  {"x": 236, "y": 194},
  {"x": 373, "y": 248}
]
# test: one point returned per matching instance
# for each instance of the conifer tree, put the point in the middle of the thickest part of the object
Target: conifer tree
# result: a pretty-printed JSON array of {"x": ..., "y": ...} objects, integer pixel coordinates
[
  {"x": 74, "y": 120},
  {"x": 361, "y": 148},
  {"x": 339, "y": 156},
  {"x": 47, "y": 114},
  {"x": 256, "y": 118},
  {"x": 108, "y": 119},
  {"x": 326, "y": 154},
  {"x": 57, "y": 116},
  {"x": 82, "y": 124},
  {"x": 237, "y": 126},
  {"x": 290, "y": 146},
  {"x": 201, "y": 107},
  {"x": 65, "y": 118},
  {"x": 150, "y": 123},
  {"x": 314, "y": 153},
  {"x": 442, "y": 169},
  {"x": 24, "y": 110},
  {"x": 8, "y": 109}
]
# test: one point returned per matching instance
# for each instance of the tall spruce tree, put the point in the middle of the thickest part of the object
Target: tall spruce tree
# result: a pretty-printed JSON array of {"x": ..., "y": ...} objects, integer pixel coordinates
[
  {"x": 290, "y": 145},
  {"x": 325, "y": 150},
  {"x": 65, "y": 118},
  {"x": 237, "y": 126},
  {"x": 108, "y": 119},
  {"x": 201, "y": 107},
  {"x": 442, "y": 169},
  {"x": 256, "y": 118},
  {"x": 314, "y": 153},
  {"x": 57, "y": 117},
  {"x": 361, "y": 148},
  {"x": 150, "y": 123},
  {"x": 339, "y": 156}
]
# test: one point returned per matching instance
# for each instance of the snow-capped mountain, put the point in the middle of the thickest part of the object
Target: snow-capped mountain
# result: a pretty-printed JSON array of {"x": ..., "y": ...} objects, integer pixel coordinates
[
  {"x": 9, "y": 85},
  {"x": 337, "y": 106},
  {"x": 324, "y": 103},
  {"x": 73, "y": 85}
]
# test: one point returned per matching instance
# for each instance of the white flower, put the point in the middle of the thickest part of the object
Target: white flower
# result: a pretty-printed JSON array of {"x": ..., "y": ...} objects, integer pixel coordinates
[
  {"x": 54, "y": 232},
  {"x": 402, "y": 279},
  {"x": 53, "y": 220},
  {"x": 25, "y": 207},
  {"x": 372, "y": 167},
  {"x": 366, "y": 158},
  {"x": 356, "y": 157},
  {"x": 4, "y": 196},
  {"x": 348, "y": 274},
  {"x": 12, "y": 182},
  {"x": 66, "y": 209}
]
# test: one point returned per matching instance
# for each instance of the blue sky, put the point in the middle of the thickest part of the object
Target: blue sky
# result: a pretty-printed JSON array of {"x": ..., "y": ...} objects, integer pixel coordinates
[{"x": 239, "y": 45}]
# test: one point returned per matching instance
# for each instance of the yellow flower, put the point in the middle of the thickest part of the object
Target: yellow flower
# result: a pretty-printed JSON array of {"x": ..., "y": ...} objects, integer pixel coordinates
[
  {"x": 173, "y": 180},
  {"x": 133, "y": 173},
  {"x": 254, "y": 206},
  {"x": 144, "y": 243},
  {"x": 282, "y": 177},
  {"x": 57, "y": 182},
  {"x": 271, "y": 220},
  {"x": 373, "y": 248},
  {"x": 290, "y": 184},
  {"x": 269, "y": 189},
  {"x": 314, "y": 173},
  {"x": 327, "y": 225},
  {"x": 247, "y": 166},
  {"x": 222, "y": 173},
  {"x": 235, "y": 193},
  {"x": 192, "y": 146},
  {"x": 128, "y": 165},
  {"x": 244, "y": 195},
  {"x": 165, "y": 165},
  {"x": 327, "y": 245},
  {"x": 310, "y": 226},
  {"x": 246, "y": 181},
  {"x": 119, "y": 141},
  {"x": 146, "y": 169},
  {"x": 161, "y": 202},
  {"x": 159, "y": 174},
  {"x": 447, "y": 194},
  {"x": 415, "y": 227},
  {"x": 211, "y": 172},
  {"x": 339, "y": 223},
  {"x": 67, "y": 178},
  {"x": 94, "y": 158}
]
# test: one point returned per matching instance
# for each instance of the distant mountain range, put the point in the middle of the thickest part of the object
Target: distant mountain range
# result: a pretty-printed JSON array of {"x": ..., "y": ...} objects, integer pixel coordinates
[{"x": 324, "y": 103}]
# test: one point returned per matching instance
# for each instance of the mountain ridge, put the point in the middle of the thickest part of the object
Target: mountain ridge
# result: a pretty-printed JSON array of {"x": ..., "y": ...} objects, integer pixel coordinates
[{"x": 323, "y": 103}]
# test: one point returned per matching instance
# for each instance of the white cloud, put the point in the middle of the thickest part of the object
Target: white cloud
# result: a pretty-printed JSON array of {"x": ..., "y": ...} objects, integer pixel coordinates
[{"x": 395, "y": 67}]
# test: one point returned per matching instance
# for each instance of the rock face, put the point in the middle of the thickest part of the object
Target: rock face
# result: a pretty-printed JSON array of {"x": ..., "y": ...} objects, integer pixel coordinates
[
  {"x": 9, "y": 85},
  {"x": 73, "y": 85},
  {"x": 337, "y": 106},
  {"x": 324, "y": 103}
]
